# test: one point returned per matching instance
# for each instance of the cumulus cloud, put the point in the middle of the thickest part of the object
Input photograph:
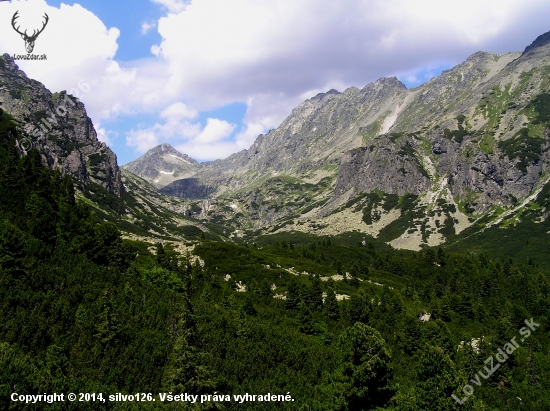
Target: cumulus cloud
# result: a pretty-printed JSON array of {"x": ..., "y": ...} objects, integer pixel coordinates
[
  {"x": 178, "y": 111},
  {"x": 239, "y": 48},
  {"x": 214, "y": 131},
  {"x": 173, "y": 6},
  {"x": 176, "y": 126},
  {"x": 79, "y": 49},
  {"x": 142, "y": 140},
  {"x": 203, "y": 153}
]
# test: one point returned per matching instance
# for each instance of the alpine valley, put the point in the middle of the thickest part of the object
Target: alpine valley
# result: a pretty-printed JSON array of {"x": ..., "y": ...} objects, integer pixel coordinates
[
  {"x": 464, "y": 156},
  {"x": 371, "y": 252}
]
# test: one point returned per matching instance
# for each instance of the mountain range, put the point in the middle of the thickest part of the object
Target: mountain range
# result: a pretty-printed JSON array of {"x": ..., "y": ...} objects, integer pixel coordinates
[
  {"x": 459, "y": 156},
  {"x": 416, "y": 167}
]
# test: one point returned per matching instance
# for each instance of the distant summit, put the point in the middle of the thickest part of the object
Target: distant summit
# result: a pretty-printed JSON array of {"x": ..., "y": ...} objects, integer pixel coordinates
[
  {"x": 540, "y": 41},
  {"x": 162, "y": 165}
]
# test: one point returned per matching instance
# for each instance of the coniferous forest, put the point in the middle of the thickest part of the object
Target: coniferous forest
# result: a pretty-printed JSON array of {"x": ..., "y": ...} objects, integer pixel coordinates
[{"x": 82, "y": 310}]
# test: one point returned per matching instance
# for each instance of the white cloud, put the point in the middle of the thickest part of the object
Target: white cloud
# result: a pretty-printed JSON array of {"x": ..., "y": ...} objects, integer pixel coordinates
[
  {"x": 102, "y": 135},
  {"x": 178, "y": 111},
  {"x": 202, "y": 152},
  {"x": 189, "y": 136},
  {"x": 172, "y": 130},
  {"x": 231, "y": 49},
  {"x": 142, "y": 140},
  {"x": 214, "y": 131},
  {"x": 412, "y": 79},
  {"x": 173, "y": 6},
  {"x": 147, "y": 26}
]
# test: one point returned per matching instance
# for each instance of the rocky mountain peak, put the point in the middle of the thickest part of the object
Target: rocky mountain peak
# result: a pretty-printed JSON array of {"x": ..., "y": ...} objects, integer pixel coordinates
[
  {"x": 540, "y": 41},
  {"x": 382, "y": 88},
  {"x": 167, "y": 149},
  {"x": 8, "y": 64},
  {"x": 321, "y": 96},
  {"x": 162, "y": 165},
  {"x": 392, "y": 82}
]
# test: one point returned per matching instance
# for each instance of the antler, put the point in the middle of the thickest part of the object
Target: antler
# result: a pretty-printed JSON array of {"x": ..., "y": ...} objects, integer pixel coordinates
[
  {"x": 34, "y": 34},
  {"x": 15, "y": 16}
]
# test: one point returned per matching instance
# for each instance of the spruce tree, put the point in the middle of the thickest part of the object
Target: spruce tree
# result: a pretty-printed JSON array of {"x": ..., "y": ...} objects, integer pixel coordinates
[
  {"x": 331, "y": 305},
  {"x": 248, "y": 307},
  {"x": 293, "y": 295},
  {"x": 366, "y": 372},
  {"x": 315, "y": 294},
  {"x": 306, "y": 319}
]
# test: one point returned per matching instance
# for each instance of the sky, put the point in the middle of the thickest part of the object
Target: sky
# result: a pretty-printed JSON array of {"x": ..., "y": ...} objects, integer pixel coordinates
[{"x": 209, "y": 76}]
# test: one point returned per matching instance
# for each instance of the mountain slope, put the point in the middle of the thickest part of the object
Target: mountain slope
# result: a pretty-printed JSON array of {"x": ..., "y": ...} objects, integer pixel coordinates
[
  {"x": 314, "y": 136},
  {"x": 57, "y": 124}
]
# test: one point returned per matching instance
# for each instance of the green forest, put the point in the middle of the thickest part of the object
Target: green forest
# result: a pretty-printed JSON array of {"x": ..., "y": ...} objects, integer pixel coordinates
[{"x": 84, "y": 311}]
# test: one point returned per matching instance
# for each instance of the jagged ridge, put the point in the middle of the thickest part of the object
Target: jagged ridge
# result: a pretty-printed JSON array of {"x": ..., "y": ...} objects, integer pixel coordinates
[{"x": 69, "y": 141}]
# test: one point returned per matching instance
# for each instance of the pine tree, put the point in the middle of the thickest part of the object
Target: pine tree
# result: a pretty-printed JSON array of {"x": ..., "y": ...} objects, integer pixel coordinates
[
  {"x": 315, "y": 294},
  {"x": 293, "y": 295},
  {"x": 331, "y": 305},
  {"x": 306, "y": 319},
  {"x": 366, "y": 372},
  {"x": 357, "y": 310},
  {"x": 248, "y": 307},
  {"x": 185, "y": 370},
  {"x": 438, "y": 379},
  {"x": 412, "y": 336},
  {"x": 265, "y": 291}
]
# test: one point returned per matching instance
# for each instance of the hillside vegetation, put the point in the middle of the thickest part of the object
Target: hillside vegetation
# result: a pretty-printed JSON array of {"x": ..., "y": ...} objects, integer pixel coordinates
[{"x": 337, "y": 326}]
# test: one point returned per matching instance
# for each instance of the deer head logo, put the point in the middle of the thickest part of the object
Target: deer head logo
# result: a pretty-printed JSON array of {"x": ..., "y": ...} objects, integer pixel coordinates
[{"x": 29, "y": 40}]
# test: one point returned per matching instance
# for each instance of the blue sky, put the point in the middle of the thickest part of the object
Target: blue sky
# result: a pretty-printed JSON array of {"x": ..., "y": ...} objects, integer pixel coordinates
[
  {"x": 128, "y": 16},
  {"x": 209, "y": 76}
]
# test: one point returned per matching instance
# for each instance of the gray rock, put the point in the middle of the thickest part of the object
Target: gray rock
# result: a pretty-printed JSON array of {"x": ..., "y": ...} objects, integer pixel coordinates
[{"x": 58, "y": 126}]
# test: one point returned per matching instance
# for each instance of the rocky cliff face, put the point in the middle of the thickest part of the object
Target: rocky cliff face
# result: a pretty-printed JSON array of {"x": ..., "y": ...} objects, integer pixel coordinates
[
  {"x": 162, "y": 165},
  {"x": 481, "y": 126},
  {"x": 391, "y": 165},
  {"x": 58, "y": 126}
]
